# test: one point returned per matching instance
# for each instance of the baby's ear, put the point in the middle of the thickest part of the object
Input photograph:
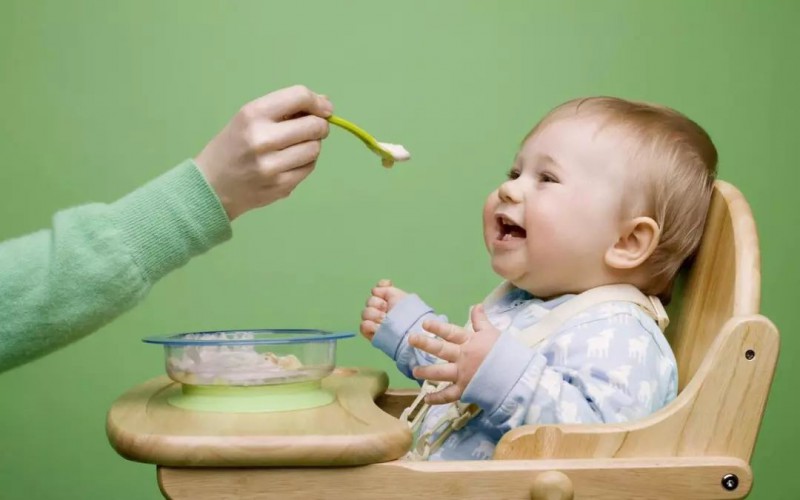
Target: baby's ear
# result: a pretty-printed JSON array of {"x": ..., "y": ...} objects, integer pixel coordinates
[{"x": 637, "y": 241}]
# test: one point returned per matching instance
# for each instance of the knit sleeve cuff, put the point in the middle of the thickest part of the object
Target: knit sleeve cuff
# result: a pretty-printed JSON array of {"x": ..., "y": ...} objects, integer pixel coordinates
[{"x": 398, "y": 322}]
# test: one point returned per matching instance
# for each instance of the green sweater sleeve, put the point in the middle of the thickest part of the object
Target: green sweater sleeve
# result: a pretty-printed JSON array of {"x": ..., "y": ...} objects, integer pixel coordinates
[{"x": 99, "y": 260}]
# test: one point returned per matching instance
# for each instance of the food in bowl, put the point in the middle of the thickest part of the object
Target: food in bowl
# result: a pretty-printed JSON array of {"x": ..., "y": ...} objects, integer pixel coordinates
[{"x": 249, "y": 357}]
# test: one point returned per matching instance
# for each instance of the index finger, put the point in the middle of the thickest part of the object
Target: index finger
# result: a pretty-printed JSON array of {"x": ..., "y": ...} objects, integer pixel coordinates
[
  {"x": 438, "y": 347},
  {"x": 289, "y": 101},
  {"x": 446, "y": 331}
]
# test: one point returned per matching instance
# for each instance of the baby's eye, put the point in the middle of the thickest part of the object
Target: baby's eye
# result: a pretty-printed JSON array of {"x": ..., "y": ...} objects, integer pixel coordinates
[
  {"x": 548, "y": 177},
  {"x": 513, "y": 174}
]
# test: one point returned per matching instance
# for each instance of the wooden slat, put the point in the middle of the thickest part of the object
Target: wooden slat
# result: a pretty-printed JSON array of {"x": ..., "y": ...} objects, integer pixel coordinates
[{"x": 664, "y": 479}]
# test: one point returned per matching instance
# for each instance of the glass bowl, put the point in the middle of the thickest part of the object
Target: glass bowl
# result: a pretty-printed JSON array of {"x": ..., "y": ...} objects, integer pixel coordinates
[{"x": 238, "y": 358}]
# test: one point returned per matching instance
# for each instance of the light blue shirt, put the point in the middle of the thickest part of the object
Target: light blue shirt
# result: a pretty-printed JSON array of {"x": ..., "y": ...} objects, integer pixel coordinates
[{"x": 610, "y": 363}]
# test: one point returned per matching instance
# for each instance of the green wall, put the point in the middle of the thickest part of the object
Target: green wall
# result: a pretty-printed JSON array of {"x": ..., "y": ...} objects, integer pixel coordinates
[{"x": 98, "y": 97}]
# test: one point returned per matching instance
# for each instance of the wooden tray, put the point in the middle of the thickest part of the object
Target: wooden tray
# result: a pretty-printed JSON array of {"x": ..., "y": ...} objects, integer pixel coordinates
[{"x": 352, "y": 430}]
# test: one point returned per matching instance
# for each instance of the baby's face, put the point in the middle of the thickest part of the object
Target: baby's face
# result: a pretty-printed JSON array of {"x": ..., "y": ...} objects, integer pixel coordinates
[{"x": 550, "y": 224}]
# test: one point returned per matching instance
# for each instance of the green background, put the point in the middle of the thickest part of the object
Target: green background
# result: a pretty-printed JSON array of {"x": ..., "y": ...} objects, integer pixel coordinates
[{"x": 96, "y": 98}]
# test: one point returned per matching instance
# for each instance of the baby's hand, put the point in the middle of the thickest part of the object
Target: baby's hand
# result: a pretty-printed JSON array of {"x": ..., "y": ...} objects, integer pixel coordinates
[
  {"x": 463, "y": 350},
  {"x": 384, "y": 297}
]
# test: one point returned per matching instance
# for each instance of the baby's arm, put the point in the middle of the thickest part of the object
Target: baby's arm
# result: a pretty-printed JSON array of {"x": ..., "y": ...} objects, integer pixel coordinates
[
  {"x": 605, "y": 370},
  {"x": 391, "y": 336}
]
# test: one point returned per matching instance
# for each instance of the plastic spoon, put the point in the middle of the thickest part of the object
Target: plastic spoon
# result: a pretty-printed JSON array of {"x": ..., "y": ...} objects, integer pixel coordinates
[{"x": 389, "y": 153}]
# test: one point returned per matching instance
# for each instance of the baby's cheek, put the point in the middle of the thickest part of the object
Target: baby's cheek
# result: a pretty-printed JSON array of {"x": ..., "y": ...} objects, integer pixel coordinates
[
  {"x": 549, "y": 239},
  {"x": 544, "y": 223},
  {"x": 490, "y": 205},
  {"x": 544, "y": 251},
  {"x": 488, "y": 217}
]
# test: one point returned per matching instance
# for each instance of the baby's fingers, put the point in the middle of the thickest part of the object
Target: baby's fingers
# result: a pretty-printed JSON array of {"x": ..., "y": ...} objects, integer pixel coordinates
[
  {"x": 436, "y": 346},
  {"x": 444, "y": 372},
  {"x": 449, "y": 394},
  {"x": 372, "y": 314},
  {"x": 449, "y": 332},
  {"x": 378, "y": 303},
  {"x": 368, "y": 329},
  {"x": 382, "y": 292}
]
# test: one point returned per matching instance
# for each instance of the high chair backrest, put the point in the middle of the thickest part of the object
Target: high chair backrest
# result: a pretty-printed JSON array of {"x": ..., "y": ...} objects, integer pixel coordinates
[
  {"x": 726, "y": 353},
  {"x": 724, "y": 280}
]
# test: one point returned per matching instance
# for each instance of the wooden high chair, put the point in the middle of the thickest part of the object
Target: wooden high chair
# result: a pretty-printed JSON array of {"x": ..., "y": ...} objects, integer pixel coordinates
[{"x": 698, "y": 447}]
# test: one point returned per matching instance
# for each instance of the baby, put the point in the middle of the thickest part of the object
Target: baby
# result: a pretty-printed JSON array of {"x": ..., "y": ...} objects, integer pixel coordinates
[{"x": 605, "y": 201}]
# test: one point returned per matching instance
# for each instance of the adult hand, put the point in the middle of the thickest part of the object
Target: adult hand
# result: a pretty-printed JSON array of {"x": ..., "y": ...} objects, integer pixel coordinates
[{"x": 267, "y": 149}]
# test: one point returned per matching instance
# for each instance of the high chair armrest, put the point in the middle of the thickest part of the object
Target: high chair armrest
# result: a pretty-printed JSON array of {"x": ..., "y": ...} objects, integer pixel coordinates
[{"x": 680, "y": 478}]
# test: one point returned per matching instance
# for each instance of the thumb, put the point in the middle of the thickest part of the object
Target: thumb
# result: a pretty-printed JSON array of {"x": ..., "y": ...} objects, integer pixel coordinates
[{"x": 479, "y": 319}]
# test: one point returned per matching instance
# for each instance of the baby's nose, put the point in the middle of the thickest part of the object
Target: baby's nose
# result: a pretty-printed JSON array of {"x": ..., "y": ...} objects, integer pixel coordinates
[{"x": 510, "y": 193}]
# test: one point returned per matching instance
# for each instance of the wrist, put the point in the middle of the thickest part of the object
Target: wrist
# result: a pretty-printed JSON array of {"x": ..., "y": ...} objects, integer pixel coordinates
[{"x": 217, "y": 186}]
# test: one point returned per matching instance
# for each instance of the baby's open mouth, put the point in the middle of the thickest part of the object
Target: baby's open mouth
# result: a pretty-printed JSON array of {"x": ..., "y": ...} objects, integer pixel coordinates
[{"x": 509, "y": 229}]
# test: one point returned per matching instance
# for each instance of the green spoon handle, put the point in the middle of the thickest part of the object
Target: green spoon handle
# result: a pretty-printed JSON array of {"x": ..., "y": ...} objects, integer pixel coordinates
[{"x": 355, "y": 130}]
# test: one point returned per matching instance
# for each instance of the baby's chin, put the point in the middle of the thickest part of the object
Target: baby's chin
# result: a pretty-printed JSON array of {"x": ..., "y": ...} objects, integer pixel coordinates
[
  {"x": 509, "y": 271},
  {"x": 520, "y": 277}
]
